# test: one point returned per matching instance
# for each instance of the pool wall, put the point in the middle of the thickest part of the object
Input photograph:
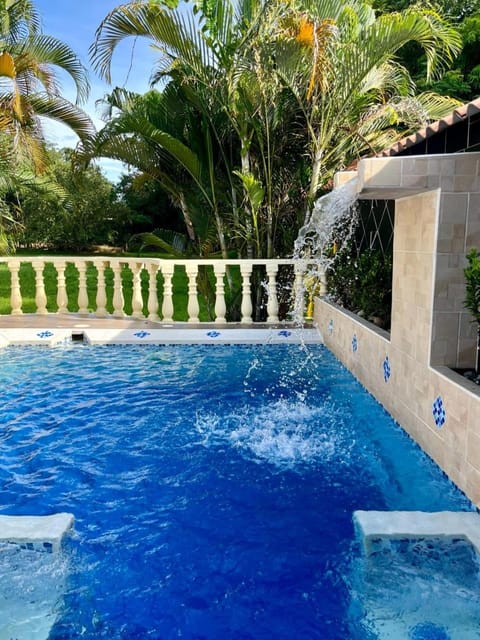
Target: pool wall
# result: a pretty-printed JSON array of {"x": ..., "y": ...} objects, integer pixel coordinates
[{"x": 437, "y": 220}]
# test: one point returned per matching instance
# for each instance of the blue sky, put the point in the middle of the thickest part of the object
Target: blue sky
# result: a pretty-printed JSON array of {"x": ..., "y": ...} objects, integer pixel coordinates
[{"x": 75, "y": 22}]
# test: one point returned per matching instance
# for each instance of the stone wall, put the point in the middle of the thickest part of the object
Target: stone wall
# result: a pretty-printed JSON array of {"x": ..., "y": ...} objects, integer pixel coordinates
[{"x": 437, "y": 219}]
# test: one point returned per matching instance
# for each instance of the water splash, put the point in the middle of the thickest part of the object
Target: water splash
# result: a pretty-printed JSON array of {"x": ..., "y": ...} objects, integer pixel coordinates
[{"x": 283, "y": 433}]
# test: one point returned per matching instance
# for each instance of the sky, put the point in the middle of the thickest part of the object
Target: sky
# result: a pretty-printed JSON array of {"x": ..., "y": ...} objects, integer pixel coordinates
[{"x": 74, "y": 22}]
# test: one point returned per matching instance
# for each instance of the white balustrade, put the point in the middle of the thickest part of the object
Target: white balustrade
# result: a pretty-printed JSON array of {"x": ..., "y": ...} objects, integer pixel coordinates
[
  {"x": 82, "y": 300},
  {"x": 152, "y": 303},
  {"x": 15, "y": 293},
  {"x": 299, "y": 291},
  {"x": 137, "y": 300},
  {"x": 62, "y": 298},
  {"x": 40, "y": 296},
  {"x": 193, "y": 307},
  {"x": 101, "y": 298},
  {"x": 167, "y": 306},
  {"x": 118, "y": 300},
  {"x": 247, "y": 307},
  {"x": 272, "y": 304},
  {"x": 220, "y": 307},
  {"x": 152, "y": 266}
]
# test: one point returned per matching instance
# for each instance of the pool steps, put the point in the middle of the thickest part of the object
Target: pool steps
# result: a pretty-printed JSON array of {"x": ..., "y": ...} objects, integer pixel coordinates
[
  {"x": 377, "y": 528},
  {"x": 373, "y": 526},
  {"x": 167, "y": 335},
  {"x": 40, "y": 533}
]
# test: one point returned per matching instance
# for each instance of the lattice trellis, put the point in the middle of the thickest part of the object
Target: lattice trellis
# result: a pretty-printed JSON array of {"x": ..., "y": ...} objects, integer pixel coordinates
[{"x": 375, "y": 226}]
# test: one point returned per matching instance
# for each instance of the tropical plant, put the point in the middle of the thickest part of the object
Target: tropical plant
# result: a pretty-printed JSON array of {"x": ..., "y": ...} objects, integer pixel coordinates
[
  {"x": 28, "y": 81},
  {"x": 264, "y": 101},
  {"x": 29, "y": 90}
]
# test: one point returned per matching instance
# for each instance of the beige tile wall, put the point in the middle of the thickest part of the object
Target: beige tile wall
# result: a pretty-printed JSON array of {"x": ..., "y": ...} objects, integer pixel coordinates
[{"x": 430, "y": 328}]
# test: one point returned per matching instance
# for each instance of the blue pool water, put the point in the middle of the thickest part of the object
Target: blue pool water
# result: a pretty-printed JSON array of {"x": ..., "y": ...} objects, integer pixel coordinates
[{"x": 213, "y": 489}]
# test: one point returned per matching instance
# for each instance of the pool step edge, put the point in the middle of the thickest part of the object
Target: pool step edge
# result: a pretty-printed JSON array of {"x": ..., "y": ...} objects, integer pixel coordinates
[
  {"x": 40, "y": 533},
  {"x": 373, "y": 525}
]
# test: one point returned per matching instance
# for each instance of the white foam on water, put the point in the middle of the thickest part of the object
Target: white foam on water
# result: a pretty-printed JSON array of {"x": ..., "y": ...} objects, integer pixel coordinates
[{"x": 281, "y": 432}]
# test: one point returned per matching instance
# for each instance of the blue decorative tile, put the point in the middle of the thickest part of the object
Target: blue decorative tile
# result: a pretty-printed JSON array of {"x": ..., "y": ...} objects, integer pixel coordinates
[
  {"x": 213, "y": 334},
  {"x": 354, "y": 343},
  {"x": 45, "y": 334},
  {"x": 284, "y": 333},
  {"x": 141, "y": 334},
  {"x": 387, "y": 372},
  {"x": 439, "y": 413},
  {"x": 330, "y": 328}
]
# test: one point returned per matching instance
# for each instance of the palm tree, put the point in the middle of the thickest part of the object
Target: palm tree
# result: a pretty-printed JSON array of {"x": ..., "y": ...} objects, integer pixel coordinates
[
  {"x": 269, "y": 83},
  {"x": 28, "y": 83},
  {"x": 158, "y": 133},
  {"x": 355, "y": 97},
  {"x": 29, "y": 91}
]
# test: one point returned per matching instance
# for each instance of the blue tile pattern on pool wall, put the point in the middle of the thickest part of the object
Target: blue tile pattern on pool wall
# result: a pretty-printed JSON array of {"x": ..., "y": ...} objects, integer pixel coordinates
[
  {"x": 330, "y": 328},
  {"x": 45, "y": 334},
  {"x": 387, "y": 371},
  {"x": 354, "y": 343},
  {"x": 141, "y": 334},
  {"x": 439, "y": 413},
  {"x": 213, "y": 334},
  {"x": 284, "y": 333}
]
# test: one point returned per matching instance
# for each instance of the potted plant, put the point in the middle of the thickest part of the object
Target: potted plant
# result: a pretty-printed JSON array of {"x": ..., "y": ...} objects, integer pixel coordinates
[{"x": 472, "y": 299}]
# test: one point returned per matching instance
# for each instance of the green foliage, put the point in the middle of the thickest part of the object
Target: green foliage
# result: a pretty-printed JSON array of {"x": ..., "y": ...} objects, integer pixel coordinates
[
  {"x": 82, "y": 213},
  {"x": 262, "y": 104},
  {"x": 362, "y": 283},
  {"x": 472, "y": 281}
]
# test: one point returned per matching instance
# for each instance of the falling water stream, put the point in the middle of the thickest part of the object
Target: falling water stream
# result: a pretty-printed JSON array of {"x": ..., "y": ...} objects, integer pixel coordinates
[
  {"x": 331, "y": 222},
  {"x": 330, "y": 225}
]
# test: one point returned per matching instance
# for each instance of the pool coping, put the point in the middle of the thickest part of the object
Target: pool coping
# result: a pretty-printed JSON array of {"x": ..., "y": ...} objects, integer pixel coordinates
[
  {"x": 398, "y": 525},
  {"x": 37, "y": 533},
  {"x": 174, "y": 334}
]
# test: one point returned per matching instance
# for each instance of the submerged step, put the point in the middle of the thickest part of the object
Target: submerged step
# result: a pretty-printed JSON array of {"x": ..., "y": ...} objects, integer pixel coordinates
[
  {"x": 41, "y": 533},
  {"x": 395, "y": 525}
]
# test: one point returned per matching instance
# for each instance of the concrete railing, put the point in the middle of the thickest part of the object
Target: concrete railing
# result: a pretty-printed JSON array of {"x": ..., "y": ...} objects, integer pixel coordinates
[{"x": 149, "y": 288}]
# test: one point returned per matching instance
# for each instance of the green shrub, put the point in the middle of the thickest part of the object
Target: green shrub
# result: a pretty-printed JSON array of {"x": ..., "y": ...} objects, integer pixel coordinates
[{"x": 362, "y": 283}]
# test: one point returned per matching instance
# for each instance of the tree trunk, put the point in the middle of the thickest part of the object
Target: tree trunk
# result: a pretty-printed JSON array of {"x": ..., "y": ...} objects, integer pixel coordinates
[{"x": 314, "y": 181}]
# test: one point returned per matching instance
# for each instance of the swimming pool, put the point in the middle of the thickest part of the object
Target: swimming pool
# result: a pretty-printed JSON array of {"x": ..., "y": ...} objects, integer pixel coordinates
[{"x": 212, "y": 486}]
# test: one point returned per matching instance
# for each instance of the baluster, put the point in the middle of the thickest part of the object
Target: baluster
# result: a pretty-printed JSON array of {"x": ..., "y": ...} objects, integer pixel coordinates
[
  {"x": 152, "y": 303},
  {"x": 62, "y": 298},
  {"x": 272, "y": 304},
  {"x": 15, "y": 293},
  {"x": 167, "y": 307},
  {"x": 323, "y": 283},
  {"x": 40, "y": 297},
  {"x": 299, "y": 292},
  {"x": 192, "y": 308},
  {"x": 220, "y": 307},
  {"x": 101, "y": 298},
  {"x": 246, "y": 308},
  {"x": 118, "y": 300},
  {"x": 82, "y": 300},
  {"x": 137, "y": 300}
]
